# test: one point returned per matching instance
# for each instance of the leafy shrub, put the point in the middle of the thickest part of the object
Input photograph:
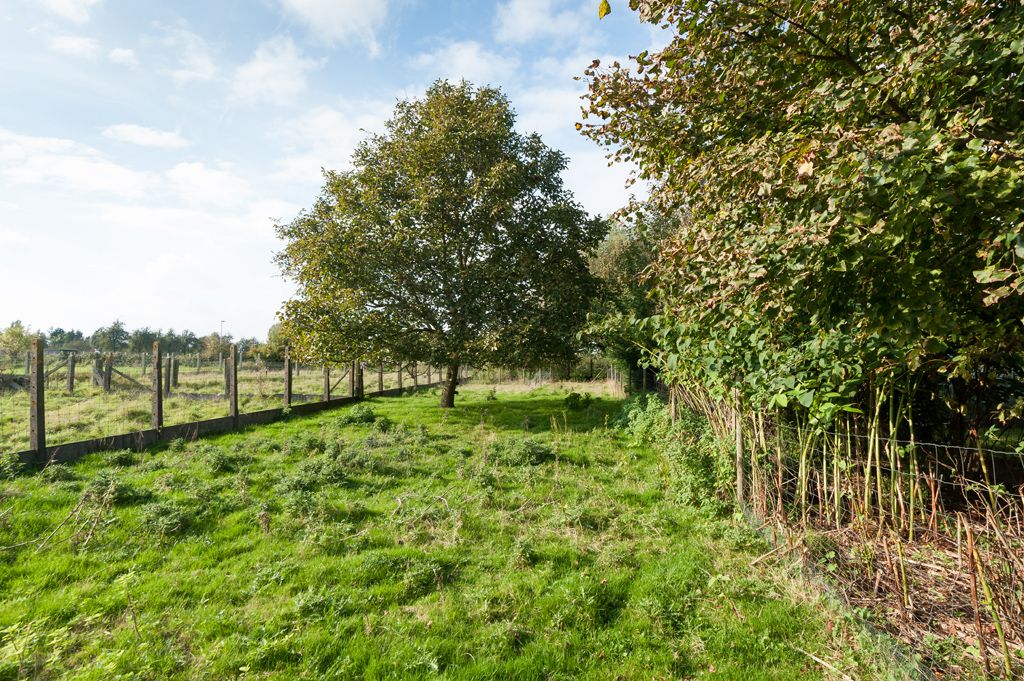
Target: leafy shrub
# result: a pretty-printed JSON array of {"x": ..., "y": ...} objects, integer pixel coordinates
[
  {"x": 361, "y": 413},
  {"x": 178, "y": 444},
  {"x": 521, "y": 451},
  {"x": 700, "y": 464},
  {"x": 383, "y": 424},
  {"x": 575, "y": 401},
  {"x": 645, "y": 418},
  {"x": 492, "y": 395}
]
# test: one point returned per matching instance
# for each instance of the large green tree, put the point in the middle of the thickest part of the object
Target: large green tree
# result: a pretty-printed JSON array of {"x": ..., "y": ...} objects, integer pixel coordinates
[
  {"x": 854, "y": 171},
  {"x": 452, "y": 240}
]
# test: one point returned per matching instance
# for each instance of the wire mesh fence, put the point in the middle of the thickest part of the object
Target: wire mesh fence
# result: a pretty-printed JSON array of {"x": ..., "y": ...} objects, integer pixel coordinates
[{"x": 925, "y": 538}]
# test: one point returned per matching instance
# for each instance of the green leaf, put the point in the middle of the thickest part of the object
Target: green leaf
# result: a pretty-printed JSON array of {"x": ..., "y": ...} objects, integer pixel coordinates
[
  {"x": 807, "y": 398},
  {"x": 604, "y": 9}
]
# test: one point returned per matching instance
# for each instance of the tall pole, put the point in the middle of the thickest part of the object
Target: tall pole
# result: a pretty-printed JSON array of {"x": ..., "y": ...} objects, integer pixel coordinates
[
  {"x": 287, "y": 378},
  {"x": 233, "y": 383},
  {"x": 157, "y": 421},
  {"x": 37, "y": 400}
]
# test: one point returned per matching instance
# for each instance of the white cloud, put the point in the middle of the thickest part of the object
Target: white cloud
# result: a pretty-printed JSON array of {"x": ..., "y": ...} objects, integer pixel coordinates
[
  {"x": 9, "y": 238},
  {"x": 75, "y": 46},
  {"x": 193, "y": 54},
  {"x": 325, "y": 137},
  {"x": 198, "y": 184},
  {"x": 521, "y": 21},
  {"x": 145, "y": 137},
  {"x": 123, "y": 55},
  {"x": 341, "y": 20},
  {"x": 276, "y": 73},
  {"x": 468, "y": 60},
  {"x": 72, "y": 10},
  {"x": 600, "y": 188},
  {"x": 65, "y": 165}
]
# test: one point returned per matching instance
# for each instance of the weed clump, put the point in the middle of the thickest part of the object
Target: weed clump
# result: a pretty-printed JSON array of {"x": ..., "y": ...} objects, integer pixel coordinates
[
  {"x": 167, "y": 518},
  {"x": 521, "y": 451},
  {"x": 361, "y": 413},
  {"x": 312, "y": 474},
  {"x": 305, "y": 444},
  {"x": 577, "y": 402},
  {"x": 9, "y": 467},
  {"x": 57, "y": 472},
  {"x": 123, "y": 458},
  {"x": 107, "y": 490},
  {"x": 220, "y": 461}
]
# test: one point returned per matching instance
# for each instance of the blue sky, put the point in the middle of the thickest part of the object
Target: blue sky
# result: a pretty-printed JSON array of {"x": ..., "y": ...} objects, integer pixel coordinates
[{"x": 146, "y": 147}]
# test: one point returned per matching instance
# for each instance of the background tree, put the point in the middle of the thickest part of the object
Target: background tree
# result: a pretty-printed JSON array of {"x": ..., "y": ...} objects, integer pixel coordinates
[
  {"x": 215, "y": 345},
  {"x": 16, "y": 339},
  {"x": 70, "y": 339},
  {"x": 273, "y": 349},
  {"x": 452, "y": 240},
  {"x": 110, "y": 338},
  {"x": 621, "y": 264}
]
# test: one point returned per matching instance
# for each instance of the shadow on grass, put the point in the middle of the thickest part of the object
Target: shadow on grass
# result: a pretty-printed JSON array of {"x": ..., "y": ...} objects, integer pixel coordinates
[{"x": 533, "y": 414}]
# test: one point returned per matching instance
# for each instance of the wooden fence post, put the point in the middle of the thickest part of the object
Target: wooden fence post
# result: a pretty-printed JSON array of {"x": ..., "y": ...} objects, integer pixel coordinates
[
  {"x": 352, "y": 379},
  {"x": 287, "y": 378},
  {"x": 327, "y": 383},
  {"x": 233, "y": 384},
  {"x": 360, "y": 388},
  {"x": 157, "y": 420},
  {"x": 142, "y": 364},
  {"x": 380, "y": 378},
  {"x": 415, "y": 374},
  {"x": 175, "y": 362},
  {"x": 108, "y": 372},
  {"x": 97, "y": 373},
  {"x": 738, "y": 425},
  {"x": 429, "y": 377},
  {"x": 37, "y": 400},
  {"x": 167, "y": 375},
  {"x": 28, "y": 362},
  {"x": 71, "y": 373},
  {"x": 399, "y": 375}
]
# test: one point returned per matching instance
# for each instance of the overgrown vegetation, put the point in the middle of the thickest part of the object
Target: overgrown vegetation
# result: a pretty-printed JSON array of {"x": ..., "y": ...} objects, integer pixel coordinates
[{"x": 452, "y": 543}]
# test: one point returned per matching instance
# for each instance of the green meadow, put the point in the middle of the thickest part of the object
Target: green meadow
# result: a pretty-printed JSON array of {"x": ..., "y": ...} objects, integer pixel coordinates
[{"x": 512, "y": 537}]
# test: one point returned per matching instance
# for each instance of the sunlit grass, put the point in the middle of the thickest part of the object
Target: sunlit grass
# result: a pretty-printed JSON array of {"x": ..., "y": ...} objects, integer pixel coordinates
[{"x": 427, "y": 543}]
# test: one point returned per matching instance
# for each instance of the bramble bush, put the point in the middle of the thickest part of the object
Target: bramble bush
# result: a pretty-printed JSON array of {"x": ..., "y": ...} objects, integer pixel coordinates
[{"x": 699, "y": 462}]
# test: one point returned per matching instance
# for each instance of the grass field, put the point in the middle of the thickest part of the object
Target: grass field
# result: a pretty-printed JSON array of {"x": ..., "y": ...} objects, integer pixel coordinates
[{"x": 403, "y": 543}]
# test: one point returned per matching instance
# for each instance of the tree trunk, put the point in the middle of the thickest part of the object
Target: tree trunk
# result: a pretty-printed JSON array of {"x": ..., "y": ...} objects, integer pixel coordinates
[{"x": 448, "y": 391}]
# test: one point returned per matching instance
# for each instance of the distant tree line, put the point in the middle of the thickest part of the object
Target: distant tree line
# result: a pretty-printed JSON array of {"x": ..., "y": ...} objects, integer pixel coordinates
[{"x": 16, "y": 338}]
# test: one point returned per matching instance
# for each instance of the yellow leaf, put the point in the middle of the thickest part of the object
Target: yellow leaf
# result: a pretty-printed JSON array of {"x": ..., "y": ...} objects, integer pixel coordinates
[{"x": 604, "y": 9}]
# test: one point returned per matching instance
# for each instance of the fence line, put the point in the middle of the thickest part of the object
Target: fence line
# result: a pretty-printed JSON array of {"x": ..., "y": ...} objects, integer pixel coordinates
[{"x": 163, "y": 374}]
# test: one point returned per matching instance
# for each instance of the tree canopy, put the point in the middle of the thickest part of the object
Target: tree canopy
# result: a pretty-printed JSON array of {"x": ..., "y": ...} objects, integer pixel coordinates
[
  {"x": 452, "y": 240},
  {"x": 854, "y": 173}
]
